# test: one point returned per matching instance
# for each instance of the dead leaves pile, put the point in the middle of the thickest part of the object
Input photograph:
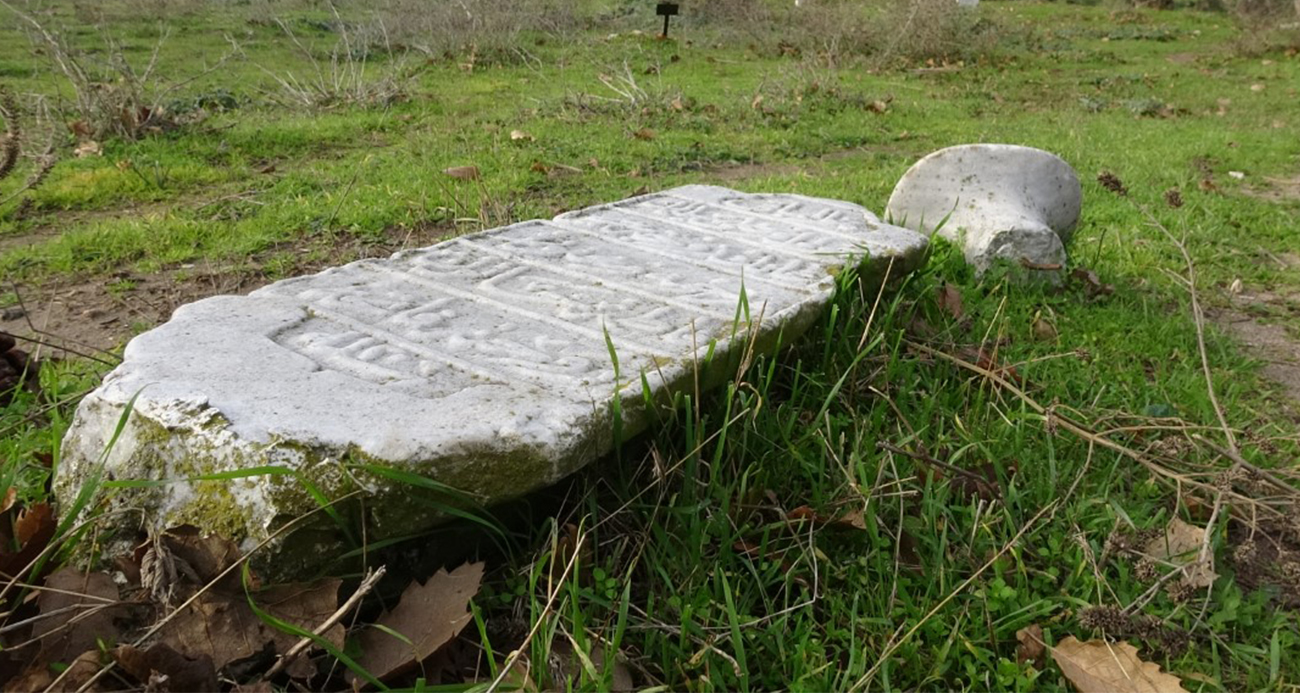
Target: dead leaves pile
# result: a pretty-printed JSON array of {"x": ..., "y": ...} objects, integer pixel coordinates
[
  {"x": 1097, "y": 666},
  {"x": 183, "y": 613}
]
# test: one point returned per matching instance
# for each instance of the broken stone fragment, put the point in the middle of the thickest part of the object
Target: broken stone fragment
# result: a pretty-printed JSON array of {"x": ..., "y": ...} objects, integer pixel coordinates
[
  {"x": 483, "y": 363},
  {"x": 996, "y": 201}
]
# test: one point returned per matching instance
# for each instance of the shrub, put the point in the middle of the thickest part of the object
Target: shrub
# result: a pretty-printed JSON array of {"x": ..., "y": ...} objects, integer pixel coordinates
[{"x": 111, "y": 97}]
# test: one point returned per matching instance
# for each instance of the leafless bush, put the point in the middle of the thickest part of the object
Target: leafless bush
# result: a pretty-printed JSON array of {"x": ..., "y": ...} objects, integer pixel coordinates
[
  {"x": 489, "y": 30},
  {"x": 12, "y": 146},
  {"x": 1264, "y": 12},
  {"x": 348, "y": 76},
  {"x": 907, "y": 31},
  {"x": 9, "y": 146},
  {"x": 111, "y": 97},
  {"x": 1266, "y": 26}
]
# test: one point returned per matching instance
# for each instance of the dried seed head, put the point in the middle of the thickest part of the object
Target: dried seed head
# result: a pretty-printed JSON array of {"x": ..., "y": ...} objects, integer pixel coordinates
[
  {"x": 1146, "y": 570},
  {"x": 1110, "y": 619},
  {"x": 1147, "y": 626},
  {"x": 1245, "y": 552},
  {"x": 158, "y": 574},
  {"x": 1179, "y": 591},
  {"x": 1112, "y": 183},
  {"x": 1174, "y": 641}
]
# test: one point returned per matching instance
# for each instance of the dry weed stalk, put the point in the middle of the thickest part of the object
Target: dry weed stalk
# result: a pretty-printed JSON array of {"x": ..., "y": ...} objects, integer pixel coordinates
[
  {"x": 343, "y": 80},
  {"x": 129, "y": 104},
  {"x": 11, "y": 148}
]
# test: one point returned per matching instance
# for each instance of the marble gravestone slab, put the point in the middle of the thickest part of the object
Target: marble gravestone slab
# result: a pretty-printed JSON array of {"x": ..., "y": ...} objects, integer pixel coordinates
[{"x": 481, "y": 362}]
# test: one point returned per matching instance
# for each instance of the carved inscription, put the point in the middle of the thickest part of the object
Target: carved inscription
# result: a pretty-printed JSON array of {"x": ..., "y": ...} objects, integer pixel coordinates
[{"x": 532, "y": 304}]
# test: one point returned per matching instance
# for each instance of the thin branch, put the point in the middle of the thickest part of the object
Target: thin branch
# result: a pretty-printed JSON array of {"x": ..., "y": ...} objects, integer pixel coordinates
[
  {"x": 1198, "y": 318},
  {"x": 550, "y": 603},
  {"x": 923, "y": 458},
  {"x": 301, "y": 646}
]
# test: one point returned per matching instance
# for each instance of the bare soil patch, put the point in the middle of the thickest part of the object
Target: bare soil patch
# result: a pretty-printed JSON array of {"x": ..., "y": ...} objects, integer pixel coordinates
[
  {"x": 99, "y": 313},
  {"x": 1270, "y": 343},
  {"x": 1280, "y": 190}
]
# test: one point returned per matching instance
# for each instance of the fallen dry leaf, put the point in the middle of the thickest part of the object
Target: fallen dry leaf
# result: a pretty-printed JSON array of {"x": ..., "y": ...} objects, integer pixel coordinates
[
  {"x": 161, "y": 668},
  {"x": 561, "y": 170},
  {"x": 1097, "y": 666},
  {"x": 428, "y": 616},
  {"x": 1181, "y": 545},
  {"x": 10, "y": 496},
  {"x": 206, "y": 556},
  {"x": 81, "y": 609},
  {"x": 1092, "y": 285},
  {"x": 88, "y": 148},
  {"x": 853, "y": 518},
  {"x": 462, "y": 172},
  {"x": 225, "y": 628},
  {"x": 644, "y": 134},
  {"x": 1029, "y": 644},
  {"x": 878, "y": 106},
  {"x": 520, "y": 136},
  {"x": 32, "y": 522},
  {"x": 39, "y": 677},
  {"x": 32, "y": 531},
  {"x": 803, "y": 512},
  {"x": 1043, "y": 329},
  {"x": 950, "y": 300},
  {"x": 81, "y": 129}
]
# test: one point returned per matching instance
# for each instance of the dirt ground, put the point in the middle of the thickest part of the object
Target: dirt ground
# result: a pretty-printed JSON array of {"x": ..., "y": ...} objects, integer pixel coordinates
[{"x": 89, "y": 315}]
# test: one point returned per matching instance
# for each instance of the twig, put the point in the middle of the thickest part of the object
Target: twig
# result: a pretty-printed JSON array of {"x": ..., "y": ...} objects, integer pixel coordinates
[
  {"x": 342, "y": 198},
  {"x": 1205, "y": 556},
  {"x": 897, "y": 642},
  {"x": 1198, "y": 318},
  {"x": 546, "y": 610},
  {"x": 1240, "y": 461},
  {"x": 301, "y": 646},
  {"x": 27, "y": 317},
  {"x": 1065, "y": 422},
  {"x": 44, "y": 163},
  {"x": 926, "y": 459}
]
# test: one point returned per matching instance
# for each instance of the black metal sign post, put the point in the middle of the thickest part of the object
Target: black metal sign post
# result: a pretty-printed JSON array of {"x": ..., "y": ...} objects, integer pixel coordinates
[{"x": 666, "y": 10}]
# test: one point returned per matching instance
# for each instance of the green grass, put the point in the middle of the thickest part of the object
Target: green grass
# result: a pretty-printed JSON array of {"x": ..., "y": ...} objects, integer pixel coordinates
[{"x": 691, "y": 567}]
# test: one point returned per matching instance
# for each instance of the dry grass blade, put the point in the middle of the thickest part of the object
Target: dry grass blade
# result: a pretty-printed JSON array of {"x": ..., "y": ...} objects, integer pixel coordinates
[{"x": 553, "y": 592}]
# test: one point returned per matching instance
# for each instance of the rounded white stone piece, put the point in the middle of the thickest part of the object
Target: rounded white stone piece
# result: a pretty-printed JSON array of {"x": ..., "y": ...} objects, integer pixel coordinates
[{"x": 997, "y": 201}]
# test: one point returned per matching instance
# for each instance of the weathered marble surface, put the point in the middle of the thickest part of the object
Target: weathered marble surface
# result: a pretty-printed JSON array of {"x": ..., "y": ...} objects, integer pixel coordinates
[
  {"x": 481, "y": 362},
  {"x": 997, "y": 201}
]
